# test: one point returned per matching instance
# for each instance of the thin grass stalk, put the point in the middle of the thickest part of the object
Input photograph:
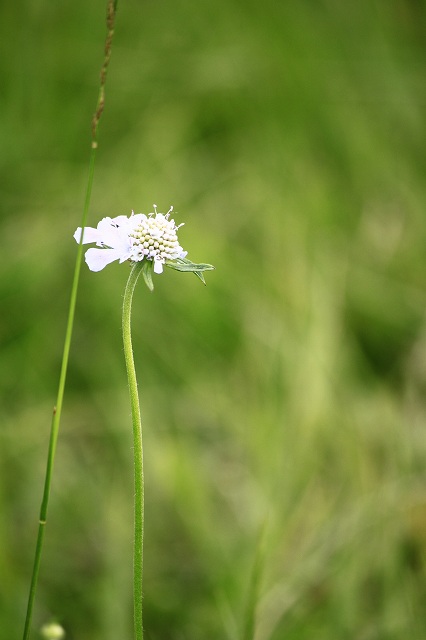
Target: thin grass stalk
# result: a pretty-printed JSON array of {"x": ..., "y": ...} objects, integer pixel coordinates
[
  {"x": 254, "y": 587},
  {"x": 57, "y": 411},
  {"x": 137, "y": 452}
]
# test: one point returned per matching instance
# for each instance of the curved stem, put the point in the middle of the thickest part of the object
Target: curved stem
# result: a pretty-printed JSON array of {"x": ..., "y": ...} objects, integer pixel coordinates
[{"x": 137, "y": 451}]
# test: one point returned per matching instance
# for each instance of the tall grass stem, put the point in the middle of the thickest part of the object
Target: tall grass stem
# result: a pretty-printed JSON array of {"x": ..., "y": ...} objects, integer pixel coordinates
[
  {"x": 137, "y": 451},
  {"x": 56, "y": 418},
  {"x": 254, "y": 586}
]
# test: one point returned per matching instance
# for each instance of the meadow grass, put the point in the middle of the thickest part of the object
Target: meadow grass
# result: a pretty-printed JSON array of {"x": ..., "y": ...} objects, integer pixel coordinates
[{"x": 284, "y": 404}]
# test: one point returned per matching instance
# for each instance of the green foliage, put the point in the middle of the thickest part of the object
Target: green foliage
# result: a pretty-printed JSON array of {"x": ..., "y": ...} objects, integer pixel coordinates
[{"x": 283, "y": 404}]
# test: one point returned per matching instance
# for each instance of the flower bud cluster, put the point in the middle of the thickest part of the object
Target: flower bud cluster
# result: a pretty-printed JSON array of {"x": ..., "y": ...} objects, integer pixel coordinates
[{"x": 155, "y": 238}]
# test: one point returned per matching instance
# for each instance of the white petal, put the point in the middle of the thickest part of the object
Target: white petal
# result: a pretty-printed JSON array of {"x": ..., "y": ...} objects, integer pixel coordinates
[
  {"x": 124, "y": 256},
  {"x": 136, "y": 219},
  {"x": 114, "y": 233},
  {"x": 90, "y": 235},
  {"x": 158, "y": 266},
  {"x": 120, "y": 220},
  {"x": 97, "y": 259}
]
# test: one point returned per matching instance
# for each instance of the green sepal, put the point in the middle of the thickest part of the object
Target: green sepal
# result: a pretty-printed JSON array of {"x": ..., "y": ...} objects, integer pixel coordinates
[
  {"x": 147, "y": 269},
  {"x": 183, "y": 264},
  {"x": 199, "y": 275}
]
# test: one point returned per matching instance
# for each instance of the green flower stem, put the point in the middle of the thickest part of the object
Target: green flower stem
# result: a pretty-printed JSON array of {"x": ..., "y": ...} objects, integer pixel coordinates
[
  {"x": 54, "y": 430},
  {"x": 137, "y": 450}
]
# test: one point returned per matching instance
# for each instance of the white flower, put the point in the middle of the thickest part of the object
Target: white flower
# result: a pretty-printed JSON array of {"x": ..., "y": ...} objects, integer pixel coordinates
[{"x": 153, "y": 237}]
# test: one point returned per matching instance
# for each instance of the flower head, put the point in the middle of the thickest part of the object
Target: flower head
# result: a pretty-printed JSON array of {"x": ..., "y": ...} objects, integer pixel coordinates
[
  {"x": 152, "y": 238},
  {"x": 135, "y": 238}
]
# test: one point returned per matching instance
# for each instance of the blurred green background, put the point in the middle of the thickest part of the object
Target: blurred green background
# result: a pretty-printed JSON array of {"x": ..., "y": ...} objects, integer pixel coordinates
[{"x": 284, "y": 404}]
